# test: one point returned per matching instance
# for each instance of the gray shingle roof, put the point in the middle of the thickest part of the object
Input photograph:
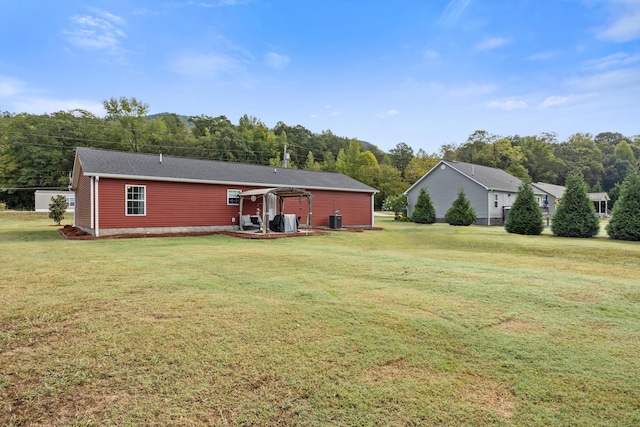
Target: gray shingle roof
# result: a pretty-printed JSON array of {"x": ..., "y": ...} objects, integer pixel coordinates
[
  {"x": 556, "y": 191},
  {"x": 490, "y": 178},
  {"x": 121, "y": 164}
]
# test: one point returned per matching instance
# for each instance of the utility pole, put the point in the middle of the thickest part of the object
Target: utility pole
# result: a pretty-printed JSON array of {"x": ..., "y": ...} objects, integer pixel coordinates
[{"x": 285, "y": 158}]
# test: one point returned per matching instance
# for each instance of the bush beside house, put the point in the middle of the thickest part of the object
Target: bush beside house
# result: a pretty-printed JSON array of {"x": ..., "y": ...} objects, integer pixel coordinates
[
  {"x": 525, "y": 216},
  {"x": 461, "y": 212},
  {"x": 576, "y": 216},
  {"x": 625, "y": 219}
]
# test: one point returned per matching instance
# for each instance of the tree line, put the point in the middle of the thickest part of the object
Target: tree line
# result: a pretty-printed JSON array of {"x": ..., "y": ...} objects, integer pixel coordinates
[{"x": 37, "y": 151}]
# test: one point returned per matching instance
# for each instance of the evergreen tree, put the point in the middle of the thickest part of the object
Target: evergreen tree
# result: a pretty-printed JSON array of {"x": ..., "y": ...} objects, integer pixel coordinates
[
  {"x": 424, "y": 212},
  {"x": 576, "y": 216},
  {"x": 461, "y": 212},
  {"x": 57, "y": 208},
  {"x": 625, "y": 220},
  {"x": 525, "y": 216}
]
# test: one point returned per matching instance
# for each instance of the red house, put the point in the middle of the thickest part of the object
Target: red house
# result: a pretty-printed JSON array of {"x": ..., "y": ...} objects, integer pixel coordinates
[{"x": 131, "y": 193}]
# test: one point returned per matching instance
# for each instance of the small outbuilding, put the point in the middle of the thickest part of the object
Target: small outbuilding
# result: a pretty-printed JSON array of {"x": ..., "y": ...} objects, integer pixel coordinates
[
  {"x": 121, "y": 192},
  {"x": 43, "y": 199}
]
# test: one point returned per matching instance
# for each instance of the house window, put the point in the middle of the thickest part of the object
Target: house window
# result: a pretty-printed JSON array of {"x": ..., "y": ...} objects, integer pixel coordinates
[
  {"x": 495, "y": 200},
  {"x": 136, "y": 200},
  {"x": 71, "y": 201},
  {"x": 505, "y": 200},
  {"x": 539, "y": 200},
  {"x": 233, "y": 197}
]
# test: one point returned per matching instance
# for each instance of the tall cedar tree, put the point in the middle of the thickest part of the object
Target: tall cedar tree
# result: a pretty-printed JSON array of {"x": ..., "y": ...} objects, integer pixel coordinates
[
  {"x": 460, "y": 212},
  {"x": 424, "y": 212},
  {"x": 525, "y": 216},
  {"x": 625, "y": 218},
  {"x": 576, "y": 216}
]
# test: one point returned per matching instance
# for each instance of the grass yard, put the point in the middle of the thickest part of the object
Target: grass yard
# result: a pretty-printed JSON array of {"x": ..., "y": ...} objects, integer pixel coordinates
[{"x": 412, "y": 325}]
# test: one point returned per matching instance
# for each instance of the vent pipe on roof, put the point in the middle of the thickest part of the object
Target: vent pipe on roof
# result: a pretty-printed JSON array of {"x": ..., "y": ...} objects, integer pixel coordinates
[
  {"x": 160, "y": 157},
  {"x": 473, "y": 170}
]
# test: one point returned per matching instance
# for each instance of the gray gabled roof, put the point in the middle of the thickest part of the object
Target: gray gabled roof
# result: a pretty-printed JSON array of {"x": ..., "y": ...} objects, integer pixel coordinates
[
  {"x": 127, "y": 165},
  {"x": 556, "y": 191},
  {"x": 488, "y": 177}
]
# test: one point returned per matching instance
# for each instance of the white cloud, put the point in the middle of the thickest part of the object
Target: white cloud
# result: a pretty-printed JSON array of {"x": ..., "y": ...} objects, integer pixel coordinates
[
  {"x": 10, "y": 86},
  {"x": 472, "y": 90},
  {"x": 36, "y": 105},
  {"x": 431, "y": 54},
  {"x": 613, "y": 60},
  {"x": 96, "y": 32},
  {"x": 607, "y": 81},
  {"x": 206, "y": 65},
  {"x": 452, "y": 12},
  {"x": 553, "y": 100},
  {"x": 275, "y": 60},
  {"x": 389, "y": 113},
  {"x": 510, "y": 104},
  {"x": 543, "y": 56},
  {"x": 489, "y": 43},
  {"x": 625, "y": 25}
]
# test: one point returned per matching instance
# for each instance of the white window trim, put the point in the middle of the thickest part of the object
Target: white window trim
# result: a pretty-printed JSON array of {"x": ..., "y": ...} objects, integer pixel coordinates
[
  {"x": 505, "y": 199},
  {"x": 496, "y": 200},
  {"x": 229, "y": 191},
  {"x": 126, "y": 200}
]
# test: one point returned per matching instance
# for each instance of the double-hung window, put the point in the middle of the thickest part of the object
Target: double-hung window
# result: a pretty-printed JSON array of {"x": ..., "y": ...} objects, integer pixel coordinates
[
  {"x": 136, "y": 200},
  {"x": 495, "y": 200},
  {"x": 71, "y": 201},
  {"x": 233, "y": 197}
]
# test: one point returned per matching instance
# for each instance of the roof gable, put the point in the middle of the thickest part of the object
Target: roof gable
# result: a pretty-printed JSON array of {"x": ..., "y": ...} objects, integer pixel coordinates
[
  {"x": 121, "y": 164},
  {"x": 556, "y": 191},
  {"x": 487, "y": 177}
]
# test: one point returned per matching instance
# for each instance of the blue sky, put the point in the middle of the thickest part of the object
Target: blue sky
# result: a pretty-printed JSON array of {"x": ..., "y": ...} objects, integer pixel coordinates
[{"x": 426, "y": 73}]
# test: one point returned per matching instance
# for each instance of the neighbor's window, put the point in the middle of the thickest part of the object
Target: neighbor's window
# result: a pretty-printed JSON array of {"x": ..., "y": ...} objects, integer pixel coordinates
[
  {"x": 495, "y": 200},
  {"x": 136, "y": 197},
  {"x": 233, "y": 197},
  {"x": 505, "y": 199},
  {"x": 71, "y": 201}
]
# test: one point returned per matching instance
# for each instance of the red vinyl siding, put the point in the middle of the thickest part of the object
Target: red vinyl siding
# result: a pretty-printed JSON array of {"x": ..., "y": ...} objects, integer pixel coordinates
[
  {"x": 171, "y": 204},
  {"x": 168, "y": 204},
  {"x": 355, "y": 208},
  {"x": 83, "y": 201}
]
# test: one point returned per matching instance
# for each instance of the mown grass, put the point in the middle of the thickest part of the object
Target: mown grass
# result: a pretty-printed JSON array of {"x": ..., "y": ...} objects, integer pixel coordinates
[{"x": 412, "y": 325}]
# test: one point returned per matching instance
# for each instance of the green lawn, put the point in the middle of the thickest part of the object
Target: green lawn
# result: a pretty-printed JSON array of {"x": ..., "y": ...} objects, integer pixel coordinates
[{"x": 412, "y": 325}]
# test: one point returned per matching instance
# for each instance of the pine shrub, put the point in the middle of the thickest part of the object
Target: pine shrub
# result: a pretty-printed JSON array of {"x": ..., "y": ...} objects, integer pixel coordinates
[
  {"x": 461, "y": 212},
  {"x": 525, "y": 216},
  {"x": 625, "y": 218},
  {"x": 576, "y": 216},
  {"x": 424, "y": 212}
]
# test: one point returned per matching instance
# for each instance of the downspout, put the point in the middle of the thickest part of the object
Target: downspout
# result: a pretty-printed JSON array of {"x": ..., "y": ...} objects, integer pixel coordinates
[
  {"x": 97, "y": 209},
  {"x": 91, "y": 201},
  {"x": 373, "y": 207},
  {"x": 489, "y": 209}
]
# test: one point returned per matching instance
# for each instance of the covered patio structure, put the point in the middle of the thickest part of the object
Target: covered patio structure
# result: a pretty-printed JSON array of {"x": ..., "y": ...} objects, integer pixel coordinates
[
  {"x": 600, "y": 199},
  {"x": 272, "y": 201}
]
